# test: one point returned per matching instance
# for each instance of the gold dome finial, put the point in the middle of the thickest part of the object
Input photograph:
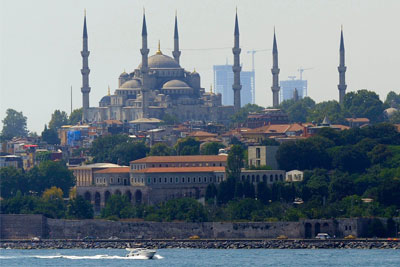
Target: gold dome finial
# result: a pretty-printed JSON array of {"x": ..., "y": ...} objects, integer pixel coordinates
[
  {"x": 109, "y": 91},
  {"x": 159, "y": 49}
]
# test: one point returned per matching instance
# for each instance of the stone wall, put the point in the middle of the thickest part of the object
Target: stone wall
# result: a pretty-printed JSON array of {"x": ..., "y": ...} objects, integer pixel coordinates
[
  {"x": 21, "y": 226},
  {"x": 27, "y": 226}
]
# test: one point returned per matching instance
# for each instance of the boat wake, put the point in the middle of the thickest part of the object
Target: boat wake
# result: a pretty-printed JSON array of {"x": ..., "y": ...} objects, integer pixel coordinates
[{"x": 96, "y": 257}]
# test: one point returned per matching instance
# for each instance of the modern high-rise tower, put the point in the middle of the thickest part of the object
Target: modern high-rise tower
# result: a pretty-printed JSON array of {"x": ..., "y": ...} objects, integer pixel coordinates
[
  {"x": 223, "y": 80},
  {"x": 342, "y": 70}
]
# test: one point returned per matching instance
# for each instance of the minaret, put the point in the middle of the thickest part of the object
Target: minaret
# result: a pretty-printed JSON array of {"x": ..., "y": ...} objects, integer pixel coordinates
[
  {"x": 275, "y": 75},
  {"x": 85, "y": 73},
  {"x": 176, "y": 53},
  {"x": 342, "y": 71},
  {"x": 236, "y": 68},
  {"x": 144, "y": 69}
]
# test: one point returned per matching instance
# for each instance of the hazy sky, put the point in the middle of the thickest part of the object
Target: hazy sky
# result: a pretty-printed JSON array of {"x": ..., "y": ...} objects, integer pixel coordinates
[{"x": 41, "y": 44}]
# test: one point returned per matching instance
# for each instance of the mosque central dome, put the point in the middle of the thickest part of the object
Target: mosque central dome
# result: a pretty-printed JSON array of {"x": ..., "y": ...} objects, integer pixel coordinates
[{"x": 160, "y": 61}]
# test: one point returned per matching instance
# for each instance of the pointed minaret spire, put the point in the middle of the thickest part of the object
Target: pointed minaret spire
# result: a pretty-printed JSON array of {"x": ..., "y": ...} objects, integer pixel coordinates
[
  {"x": 144, "y": 27},
  {"x": 342, "y": 69},
  {"x": 85, "y": 73},
  {"x": 144, "y": 69},
  {"x": 236, "y": 67},
  {"x": 275, "y": 74},
  {"x": 176, "y": 53}
]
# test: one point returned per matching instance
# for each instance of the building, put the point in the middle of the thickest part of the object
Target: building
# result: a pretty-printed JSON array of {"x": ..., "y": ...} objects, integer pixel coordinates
[
  {"x": 357, "y": 122},
  {"x": 223, "y": 80},
  {"x": 288, "y": 87},
  {"x": 266, "y": 176},
  {"x": 84, "y": 174},
  {"x": 266, "y": 117},
  {"x": 263, "y": 156},
  {"x": 158, "y": 87},
  {"x": 179, "y": 161},
  {"x": 11, "y": 161},
  {"x": 294, "y": 176}
]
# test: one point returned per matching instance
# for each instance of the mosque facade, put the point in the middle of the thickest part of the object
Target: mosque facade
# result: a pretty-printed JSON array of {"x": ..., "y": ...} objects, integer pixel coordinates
[{"x": 159, "y": 86}]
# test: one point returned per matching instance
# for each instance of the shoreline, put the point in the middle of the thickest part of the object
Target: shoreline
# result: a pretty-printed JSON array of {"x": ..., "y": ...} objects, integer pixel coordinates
[{"x": 202, "y": 244}]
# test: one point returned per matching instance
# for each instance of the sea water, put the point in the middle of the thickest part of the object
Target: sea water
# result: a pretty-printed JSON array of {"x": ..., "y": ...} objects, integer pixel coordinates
[{"x": 202, "y": 257}]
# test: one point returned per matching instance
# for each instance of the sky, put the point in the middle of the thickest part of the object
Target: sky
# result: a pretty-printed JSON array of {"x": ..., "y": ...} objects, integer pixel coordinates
[{"x": 41, "y": 42}]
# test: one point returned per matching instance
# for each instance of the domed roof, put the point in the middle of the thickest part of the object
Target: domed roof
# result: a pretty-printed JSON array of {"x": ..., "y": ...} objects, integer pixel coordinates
[
  {"x": 106, "y": 99},
  {"x": 175, "y": 84},
  {"x": 135, "y": 83},
  {"x": 389, "y": 112},
  {"x": 160, "y": 61},
  {"x": 123, "y": 74}
]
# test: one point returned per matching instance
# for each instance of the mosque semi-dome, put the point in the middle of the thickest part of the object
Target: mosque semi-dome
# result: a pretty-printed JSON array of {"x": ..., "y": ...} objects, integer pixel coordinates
[
  {"x": 175, "y": 84},
  {"x": 135, "y": 83},
  {"x": 160, "y": 61}
]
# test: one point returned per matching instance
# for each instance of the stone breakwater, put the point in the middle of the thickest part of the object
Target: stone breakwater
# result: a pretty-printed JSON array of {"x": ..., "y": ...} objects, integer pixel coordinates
[{"x": 209, "y": 244}]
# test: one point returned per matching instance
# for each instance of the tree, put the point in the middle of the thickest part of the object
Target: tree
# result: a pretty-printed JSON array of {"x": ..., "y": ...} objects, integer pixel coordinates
[
  {"x": 365, "y": 104},
  {"x": 298, "y": 110},
  {"x": 183, "y": 209},
  {"x": 75, "y": 117},
  {"x": 235, "y": 162},
  {"x": 14, "y": 125},
  {"x": 349, "y": 159},
  {"x": 53, "y": 193},
  {"x": 50, "y": 136},
  {"x": 58, "y": 119},
  {"x": 117, "y": 206},
  {"x": 392, "y": 100},
  {"x": 211, "y": 148},
  {"x": 330, "y": 109},
  {"x": 187, "y": 146},
  {"x": 395, "y": 118},
  {"x": 117, "y": 149},
  {"x": 12, "y": 180},
  {"x": 79, "y": 208},
  {"x": 161, "y": 149},
  {"x": 51, "y": 173},
  {"x": 122, "y": 154}
]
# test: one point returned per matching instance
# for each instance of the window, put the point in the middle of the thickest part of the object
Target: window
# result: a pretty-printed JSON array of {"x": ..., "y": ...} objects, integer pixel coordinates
[
  {"x": 170, "y": 180},
  {"x": 148, "y": 180},
  {"x": 165, "y": 180},
  {"x": 112, "y": 180},
  {"x": 154, "y": 180},
  {"x": 176, "y": 180},
  {"x": 258, "y": 152},
  {"x": 159, "y": 180},
  {"x": 183, "y": 179},
  {"x": 188, "y": 179}
]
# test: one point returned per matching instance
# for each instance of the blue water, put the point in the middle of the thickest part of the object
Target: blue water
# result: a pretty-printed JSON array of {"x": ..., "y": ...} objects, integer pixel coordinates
[{"x": 202, "y": 257}]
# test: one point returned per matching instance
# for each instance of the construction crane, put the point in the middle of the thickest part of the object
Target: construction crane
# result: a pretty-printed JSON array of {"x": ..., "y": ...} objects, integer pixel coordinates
[
  {"x": 253, "y": 87},
  {"x": 301, "y": 70}
]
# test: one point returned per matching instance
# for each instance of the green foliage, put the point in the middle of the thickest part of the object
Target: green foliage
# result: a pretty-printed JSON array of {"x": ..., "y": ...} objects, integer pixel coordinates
[
  {"x": 235, "y": 162},
  {"x": 395, "y": 118},
  {"x": 161, "y": 149},
  {"x": 79, "y": 208},
  {"x": 392, "y": 99},
  {"x": 211, "y": 148},
  {"x": 75, "y": 117},
  {"x": 298, "y": 111},
  {"x": 118, "y": 206},
  {"x": 187, "y": 146},
  {"x": 364, "y": 104},
  {"x": 50, "y": 136},
  {"x": 117, "y": 149},
  {"x": 241, "y": 115},
  {"x": 169, "y": 119},
  {"x": 52, "y": 173},
  {"x": 330, "y": 109},
  {"x": 183, "y": 209},
  {"x": 12, "y": 180},
  {"x": 58, "y": 119},
  {"x": 14, "y": 125}
]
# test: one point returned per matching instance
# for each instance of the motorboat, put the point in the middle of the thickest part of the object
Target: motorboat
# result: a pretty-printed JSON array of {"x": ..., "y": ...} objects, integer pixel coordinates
[{"x": 141, "y": 253}]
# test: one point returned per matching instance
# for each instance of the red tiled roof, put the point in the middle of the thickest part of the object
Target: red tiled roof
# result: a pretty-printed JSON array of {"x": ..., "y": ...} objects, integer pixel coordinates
[
  {"x": 167, "y": 159},
  {"x": 201, "y": 134},
  {"x": 114, "y": 170},
  {"x": 181, "y": 169}
]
